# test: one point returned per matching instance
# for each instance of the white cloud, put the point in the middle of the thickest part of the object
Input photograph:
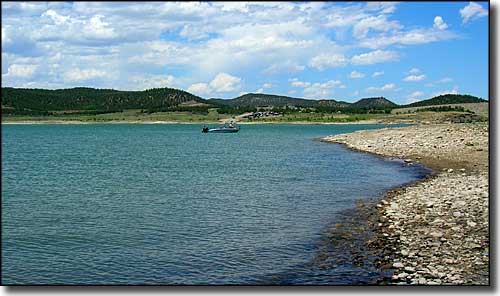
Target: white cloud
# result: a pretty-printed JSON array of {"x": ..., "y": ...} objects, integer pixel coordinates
[
  {"x": 412, "y": 37},
  {"x": 76, "y": 75},
  {"x": 377, "y": 73},
  {"x": 22, "y": 71},
  {"x": 55, "y": 17},
  {"x": 324, "y": 61},
  {"x": 222, "y": 83},
  {"x": 142, "y": 82},
  {"x": 98, "y": 28},
  {"x": 378, "y": 23},
  {"x": 453, "y": 91},
  {"x": 356, "y": 74},
  {"x": 330, "y": 84},
  {"x": 319, "y": 90},
  {"x": 472, "y": 11},
  {"x": 195, "y": 39},
  {"x": 414, "y": 78},
  {"x": 317, "y": 93},
  {"x": 377, "y": 56},
  {"x": 445, "y": 80},
  {"x": 200, "y": 89},
  {"x": 225, "y": 83},
  {"x": 267, "y": 85},
  {"x": 414, "y": 71},
  {"x": 389, "y": 86},
  {"x": 414, "y": 97},
  {"x": 260, "y": 90},
  {"x": 284, "y": 67},
  {"x": 297, "y": 83},
  {"x": 439, "y": 23}
]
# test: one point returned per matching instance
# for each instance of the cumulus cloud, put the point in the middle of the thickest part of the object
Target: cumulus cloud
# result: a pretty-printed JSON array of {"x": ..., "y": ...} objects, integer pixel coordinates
[
  {"x": 199, "y": 40},
  {"x": 317, "y": 90},
  {"x": 200, "y": 89},
  {"x": 453, "y": 91},
  {"x": 222, "y": 83},
  {"x": 377, "y": 73},
  {"x": 389, "y": 86},
  {"x": 439, "y": 23},
  {"x": 414, "y": 71},
  {"x": 329, "y": 84},
  {"x": 141, "y": 82},
  {"x": 414, "y": 97},
  {"x": 287, "y": 66},
  {"x": 356, "y": 74},
  {"x": 297, "y": 83},
  {"x": 324, "y": 61},
  {"x": 378, "y": 23},
  {"x": 22, "y": 71},
  {"x": 472, "y": 12},
  {"x": 76, "y": 75},
  {"x": 411, "y": 37},
  {"x": 374, "y": 57},
  {"x": 225, "y": 83},
  {"x": 414, "y": 77}
]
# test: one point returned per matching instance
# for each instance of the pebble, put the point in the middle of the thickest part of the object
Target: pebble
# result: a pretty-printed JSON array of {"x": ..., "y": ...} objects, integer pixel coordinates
[{"x": 440, "y": 226}]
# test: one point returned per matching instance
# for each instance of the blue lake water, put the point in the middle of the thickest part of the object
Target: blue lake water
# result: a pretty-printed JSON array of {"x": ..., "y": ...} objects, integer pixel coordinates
[{"x": 166, "y": 204}]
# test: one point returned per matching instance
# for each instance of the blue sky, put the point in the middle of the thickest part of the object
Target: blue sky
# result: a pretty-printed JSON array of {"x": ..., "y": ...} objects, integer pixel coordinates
[{"x": 406, "y": 51}]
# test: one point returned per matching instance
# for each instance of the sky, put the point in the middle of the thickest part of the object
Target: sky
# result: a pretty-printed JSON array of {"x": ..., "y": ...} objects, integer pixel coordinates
[{"x": 404, "y": 51}]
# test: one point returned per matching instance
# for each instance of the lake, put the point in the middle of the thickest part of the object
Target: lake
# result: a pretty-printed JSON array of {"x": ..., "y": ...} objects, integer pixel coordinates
[{"x": 166, "y": 204}]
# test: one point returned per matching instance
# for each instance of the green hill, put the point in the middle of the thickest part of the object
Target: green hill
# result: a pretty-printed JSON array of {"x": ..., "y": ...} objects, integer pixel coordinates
[
  {"x": 264, "y": 100},
  {"x": 380, "y": 102},
  {"x": 267, "y": 100},
  {"x": 447, "y": 99},
  {"x": 81, "y": 98}
]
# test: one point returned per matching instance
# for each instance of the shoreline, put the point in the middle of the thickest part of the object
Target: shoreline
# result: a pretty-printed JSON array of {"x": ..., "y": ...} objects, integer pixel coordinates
[
  {"x": 433, "y": 231},
  {"x": 20, "y": 122}
]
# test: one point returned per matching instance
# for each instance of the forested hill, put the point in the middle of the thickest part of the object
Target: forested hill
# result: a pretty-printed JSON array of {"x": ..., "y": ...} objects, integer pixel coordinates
[
  {"x": 447, "y": 99},
  {"x": 267, "y": 100},
  {"x": 21, "y": 100},
  {"x": 263, "y": 100},
  {"x": 82, "y": 98},
  {"x": 380, "y": 102}
]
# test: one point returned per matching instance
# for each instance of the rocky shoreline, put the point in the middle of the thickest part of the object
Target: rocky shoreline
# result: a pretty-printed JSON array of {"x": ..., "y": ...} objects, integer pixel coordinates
[{"x": 435, "y": 231}]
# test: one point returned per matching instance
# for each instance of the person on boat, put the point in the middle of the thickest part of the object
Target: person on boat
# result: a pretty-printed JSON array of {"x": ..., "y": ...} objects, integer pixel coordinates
[{"x": 231, "y": 125}]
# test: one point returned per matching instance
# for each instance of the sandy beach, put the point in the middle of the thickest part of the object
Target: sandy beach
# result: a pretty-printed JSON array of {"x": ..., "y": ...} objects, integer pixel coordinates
[{"x": 436, "y": 231}]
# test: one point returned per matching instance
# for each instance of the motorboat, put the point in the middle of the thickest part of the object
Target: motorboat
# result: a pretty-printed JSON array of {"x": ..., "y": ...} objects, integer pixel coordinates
[{"x": 223, "y": 129}]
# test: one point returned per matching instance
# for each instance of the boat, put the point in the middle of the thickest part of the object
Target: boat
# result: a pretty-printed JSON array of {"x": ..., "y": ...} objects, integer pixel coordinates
[{"x": 223, "y": 129}]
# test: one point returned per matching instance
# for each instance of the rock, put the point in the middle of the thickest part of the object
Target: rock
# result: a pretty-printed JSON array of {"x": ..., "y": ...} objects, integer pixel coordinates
[
  {"x": 471, "y": 224},
  {"x": 450, "y": 171},
  {"x": 398, "y": 265},
  {"x": 436, "y": 234}
]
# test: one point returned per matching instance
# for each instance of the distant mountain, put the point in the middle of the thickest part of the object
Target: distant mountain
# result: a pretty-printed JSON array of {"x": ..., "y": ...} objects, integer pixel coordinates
[
  {"x": 82, "y": 98},
  {"x": 447, "y": 99},
  {"x": 380, "y": 102},
  {"x": 18, "y": 100},
  {"x": 264, "y": 100},
  {"x": 267, "y": 100}
]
